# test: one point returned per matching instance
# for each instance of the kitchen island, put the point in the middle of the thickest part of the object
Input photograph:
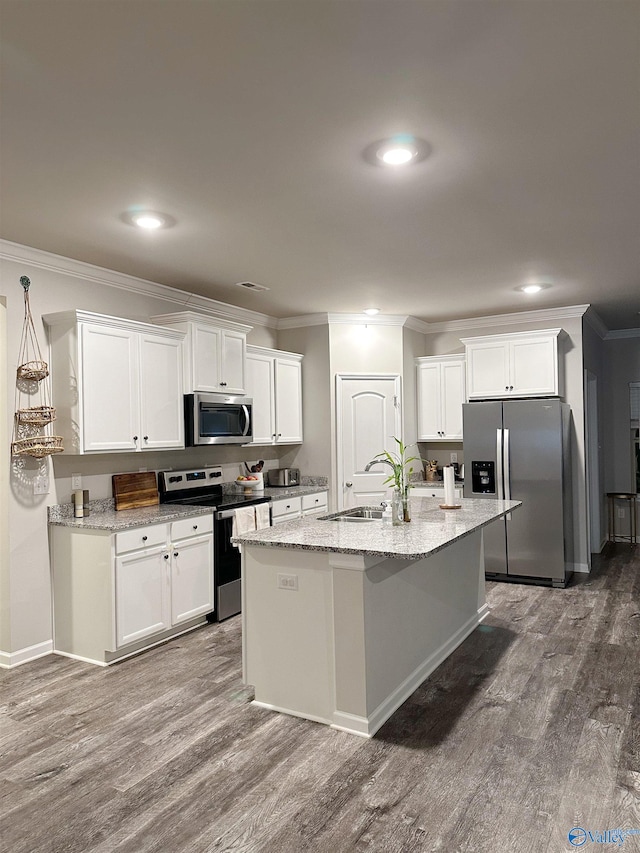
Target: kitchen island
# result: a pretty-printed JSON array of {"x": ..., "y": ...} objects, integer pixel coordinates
[{"x": 343, "y": 620}]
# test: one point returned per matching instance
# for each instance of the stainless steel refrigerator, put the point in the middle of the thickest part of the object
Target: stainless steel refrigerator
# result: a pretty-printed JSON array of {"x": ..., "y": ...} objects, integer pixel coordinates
[{"x": 519, "y": 450}]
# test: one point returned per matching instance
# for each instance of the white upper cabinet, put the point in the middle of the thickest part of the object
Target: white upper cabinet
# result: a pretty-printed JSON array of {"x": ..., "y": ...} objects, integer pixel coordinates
[
  {"x": 215, "y": 352},
  {"x": 274, "y": 381},
  {"x": 523, "y": 364},
  {"x": 441, "y": 393},
  {"x": 116, "y": 384}
]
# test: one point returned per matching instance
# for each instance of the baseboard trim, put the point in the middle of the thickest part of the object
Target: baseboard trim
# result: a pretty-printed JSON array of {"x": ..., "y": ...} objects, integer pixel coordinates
[
  {"x": 10, "y": 659},
  {"x": 368, "y": 726}
]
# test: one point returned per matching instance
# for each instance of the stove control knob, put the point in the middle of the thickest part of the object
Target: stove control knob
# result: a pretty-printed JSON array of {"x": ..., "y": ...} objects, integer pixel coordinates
[{"x": 175, "y": 479}]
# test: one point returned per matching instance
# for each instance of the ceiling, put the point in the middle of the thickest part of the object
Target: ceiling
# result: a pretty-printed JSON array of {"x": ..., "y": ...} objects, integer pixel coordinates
[{"x": 245, "y": 121}]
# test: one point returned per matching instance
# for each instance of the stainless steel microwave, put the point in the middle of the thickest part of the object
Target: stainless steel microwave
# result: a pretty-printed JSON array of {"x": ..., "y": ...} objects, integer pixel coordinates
[{"x": 217, "y": 419}]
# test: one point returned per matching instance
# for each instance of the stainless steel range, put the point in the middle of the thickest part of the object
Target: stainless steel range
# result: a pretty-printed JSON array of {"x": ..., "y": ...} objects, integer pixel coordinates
[{"x": 203, "y": 487}]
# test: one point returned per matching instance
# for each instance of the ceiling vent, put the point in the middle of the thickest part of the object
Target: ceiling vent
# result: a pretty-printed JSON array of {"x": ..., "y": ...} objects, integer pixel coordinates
[{"x": 251, "y": 285}]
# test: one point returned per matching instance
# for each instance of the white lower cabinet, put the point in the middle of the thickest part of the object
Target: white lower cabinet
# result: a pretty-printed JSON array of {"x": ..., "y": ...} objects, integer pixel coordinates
[
  {"x": 117, "y": 593},
  {"x": 286, "y": 510},
  {"x": 435, "y": 491},
  {"x": 291, "y": 508},
  {"x": 315, "y": 503}
]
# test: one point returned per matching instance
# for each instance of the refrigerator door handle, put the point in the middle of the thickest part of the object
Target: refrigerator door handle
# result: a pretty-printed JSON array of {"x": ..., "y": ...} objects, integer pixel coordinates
[
  {"x": 507, "y": 471},
  {"x": 499, "y": 469}
]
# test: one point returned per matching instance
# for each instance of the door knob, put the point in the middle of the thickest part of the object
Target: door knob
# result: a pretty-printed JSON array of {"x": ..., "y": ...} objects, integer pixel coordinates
[{"x": 348, "y": 485}]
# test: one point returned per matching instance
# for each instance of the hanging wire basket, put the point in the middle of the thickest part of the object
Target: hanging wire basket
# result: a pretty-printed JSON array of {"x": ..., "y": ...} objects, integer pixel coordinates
[
  {"x": 31, "y": 430},
  {"x": 36, "y": 415},
  {"x": 34, "y": 370},
  {"x": 37, "y": 445}
]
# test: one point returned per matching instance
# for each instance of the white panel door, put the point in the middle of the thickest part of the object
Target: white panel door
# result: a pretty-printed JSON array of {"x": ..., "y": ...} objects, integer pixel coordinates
[
  {"x": 260, "y": 387},
  {"x": 205, "y": 359},
  {"x": 368, "y": 418},
  {"x": 534, "y": 366},
  {"x": 142, "y": 594},
  {"x": 191, "y": 578},
  {"x": 451, "y": 398},
  {"x": 429, "y": 402},
  {"x": 162, "y": 410},
  {"x": 488, "y": 369},
  {"x": 288, "y": 401},
  {"x": 110, "y": 394},
  {"x": 232, "y": 379}
]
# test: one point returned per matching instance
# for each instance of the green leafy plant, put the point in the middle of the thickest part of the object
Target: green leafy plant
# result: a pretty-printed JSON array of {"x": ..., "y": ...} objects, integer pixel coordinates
[{"x": 401, "y": 464}]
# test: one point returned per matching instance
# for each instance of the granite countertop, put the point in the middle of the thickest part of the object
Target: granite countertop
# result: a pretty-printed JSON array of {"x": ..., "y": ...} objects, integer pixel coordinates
[
  {"x": 429, "y": 530},
  {"x": 105, "y": 517}
]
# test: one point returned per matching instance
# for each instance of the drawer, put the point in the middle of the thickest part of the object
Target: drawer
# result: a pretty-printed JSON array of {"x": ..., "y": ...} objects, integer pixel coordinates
[
  {"x": 141, "y": 537},
  {"x": 196, "y": 526},
  {"x": 288, "y": 506},
  {"x": 317, "y": 501}
]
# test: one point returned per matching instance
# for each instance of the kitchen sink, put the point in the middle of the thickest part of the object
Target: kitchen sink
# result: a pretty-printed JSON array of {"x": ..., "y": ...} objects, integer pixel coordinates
[{"x": 358, "y": 513}]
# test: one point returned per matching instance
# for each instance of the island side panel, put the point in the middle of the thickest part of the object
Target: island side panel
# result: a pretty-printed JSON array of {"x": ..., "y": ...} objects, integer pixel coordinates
[
  {"x": 288, "y": 633},
  {"x": 415, "y": 615}
]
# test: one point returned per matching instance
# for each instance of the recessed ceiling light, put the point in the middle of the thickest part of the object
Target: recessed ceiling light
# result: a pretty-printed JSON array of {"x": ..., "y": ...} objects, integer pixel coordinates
[
  {"x": 532, "y": 287},
  {"x": 400, "y": 150},
  {"x": 148, "y": 220},
  {"x": 371, "y": 311}
]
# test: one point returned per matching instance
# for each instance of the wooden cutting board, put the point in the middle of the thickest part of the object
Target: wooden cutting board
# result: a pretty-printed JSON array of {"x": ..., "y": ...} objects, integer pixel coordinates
[{"x": 135, "y": 490}]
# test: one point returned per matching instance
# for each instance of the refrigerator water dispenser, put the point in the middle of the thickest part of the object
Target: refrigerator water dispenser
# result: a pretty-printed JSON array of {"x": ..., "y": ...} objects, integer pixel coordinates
[{"x": 483, "y": 478}]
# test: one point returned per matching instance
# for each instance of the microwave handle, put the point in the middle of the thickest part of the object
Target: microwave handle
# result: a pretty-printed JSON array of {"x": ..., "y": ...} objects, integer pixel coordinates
[{"x": 247, "y": 419}]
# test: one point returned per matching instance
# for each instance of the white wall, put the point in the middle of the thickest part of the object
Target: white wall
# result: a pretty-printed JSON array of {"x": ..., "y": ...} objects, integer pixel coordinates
[
  {"x": 621, "y": 366},
  {"x": 58, "y": 285},
  {"x": 5, "y": 622}
]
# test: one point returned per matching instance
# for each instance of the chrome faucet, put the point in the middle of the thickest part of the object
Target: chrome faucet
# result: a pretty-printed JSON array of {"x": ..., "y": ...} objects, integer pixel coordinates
[{"x": 379, "y": 462}]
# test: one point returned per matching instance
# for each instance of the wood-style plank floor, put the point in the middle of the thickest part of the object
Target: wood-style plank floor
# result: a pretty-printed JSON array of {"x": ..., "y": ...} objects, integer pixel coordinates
[{"x": 530, "y": 728}]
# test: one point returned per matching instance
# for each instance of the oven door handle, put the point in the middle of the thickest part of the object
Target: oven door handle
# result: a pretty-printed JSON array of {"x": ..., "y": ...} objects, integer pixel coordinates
[{"x": 224, "y": 513}]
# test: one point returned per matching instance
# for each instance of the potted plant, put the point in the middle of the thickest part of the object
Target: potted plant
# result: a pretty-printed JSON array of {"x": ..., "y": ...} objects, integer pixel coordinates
[{"x": 401, "y": 477}]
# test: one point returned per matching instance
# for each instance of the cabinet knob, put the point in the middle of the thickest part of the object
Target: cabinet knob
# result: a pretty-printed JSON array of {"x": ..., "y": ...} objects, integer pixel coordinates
[
  {"x": 510, "y": 387},
  {"x": 348, "y": 485},
  {"x": 146, "y": 437},
  {"x": 135, "y": 437},
  {"x": 144, "y": 538},
  {"x": 195, "y": 526},
  {"x": 175, "y": 553},
  {"x": 223, "y": 383},
  {"x": 166, "y": 556}
]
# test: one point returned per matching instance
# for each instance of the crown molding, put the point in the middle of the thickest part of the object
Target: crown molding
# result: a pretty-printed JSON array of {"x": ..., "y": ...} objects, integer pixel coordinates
[
  {"x": 542, "y": 315},
  {"x": 110, "y": 278},
  {"x": 618, "y": 334},
  {"x": 335, "y": 319},
  {"x": 595, "y": 321}
]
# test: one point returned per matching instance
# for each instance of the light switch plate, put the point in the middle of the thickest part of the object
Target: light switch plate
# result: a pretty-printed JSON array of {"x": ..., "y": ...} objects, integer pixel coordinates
[{"x": 453, "y": 457}]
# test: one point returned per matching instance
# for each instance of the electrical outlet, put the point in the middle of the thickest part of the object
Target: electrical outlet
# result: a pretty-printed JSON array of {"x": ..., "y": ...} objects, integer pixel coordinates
[
  {"x": 453, "y": 457},
  {"x": 142, "y": 470},
  {"x": 41, "y": 485},
  {"x": 287, "y": 581},
  {"x": 76, "y": 481}
]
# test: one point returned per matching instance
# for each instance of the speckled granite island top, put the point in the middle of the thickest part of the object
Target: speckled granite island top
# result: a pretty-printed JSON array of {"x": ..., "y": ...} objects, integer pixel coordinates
[
  {"x": 429, "y": 530},
  {"x": 107, "y": 518}
]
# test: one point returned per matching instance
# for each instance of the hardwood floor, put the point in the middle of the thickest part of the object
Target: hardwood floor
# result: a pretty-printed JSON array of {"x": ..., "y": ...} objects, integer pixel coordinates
[{"x": 530, "y": 728}]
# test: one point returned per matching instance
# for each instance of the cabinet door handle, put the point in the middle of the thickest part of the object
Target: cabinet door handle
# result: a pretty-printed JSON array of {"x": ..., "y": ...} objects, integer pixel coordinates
[
  {"x": 146, "y": 437},
  {"x": 135, "y": 437},
  {"x": 223, "y": 384},
  {"x": 166, "y": 556},
  {"x": 195, "y": 526},
  {"x": 144, "y": 538},
  {"x": 175, "y": 553}
]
